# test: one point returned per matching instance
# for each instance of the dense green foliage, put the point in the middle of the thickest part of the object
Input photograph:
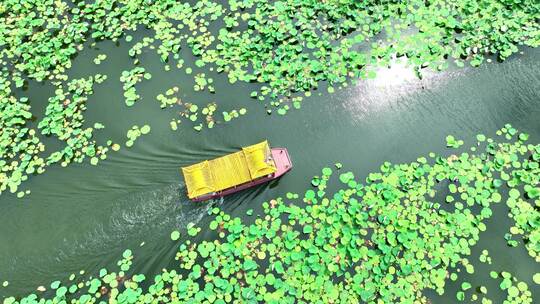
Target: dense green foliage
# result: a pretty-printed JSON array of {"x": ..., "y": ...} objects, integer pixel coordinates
[
  {"x": 289, "y": 47},
  {"x": 407, "y": 228}
]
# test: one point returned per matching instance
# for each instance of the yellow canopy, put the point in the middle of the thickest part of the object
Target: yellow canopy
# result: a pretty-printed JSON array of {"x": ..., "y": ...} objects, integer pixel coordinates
[
  {"x": 230, "y": 170},
  {"x": 259, "y": 160},
  {"x": 199, "y": 179}
]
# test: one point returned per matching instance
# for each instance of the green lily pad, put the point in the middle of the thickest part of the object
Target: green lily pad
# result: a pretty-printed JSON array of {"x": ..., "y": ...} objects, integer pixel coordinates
[
  {"x": 175, "y": 235},
  {"x": 145, "y": 129}
]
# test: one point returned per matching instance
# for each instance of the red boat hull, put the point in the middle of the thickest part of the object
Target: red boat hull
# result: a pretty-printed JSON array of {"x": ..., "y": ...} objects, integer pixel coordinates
[{"x": 283, "y": 165}]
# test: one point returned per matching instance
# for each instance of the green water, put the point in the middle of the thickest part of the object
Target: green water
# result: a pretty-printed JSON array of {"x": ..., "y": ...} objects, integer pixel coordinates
[{"x": 83, "y": 216}]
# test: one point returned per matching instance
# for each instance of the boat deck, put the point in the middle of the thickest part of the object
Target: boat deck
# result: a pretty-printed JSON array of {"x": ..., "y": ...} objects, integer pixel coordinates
[{"x": 229, "y": 171}]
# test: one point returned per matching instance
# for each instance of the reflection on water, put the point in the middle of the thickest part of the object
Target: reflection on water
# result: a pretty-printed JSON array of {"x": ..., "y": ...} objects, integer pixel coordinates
[
  {"x": 392, "y": 87},
  {"x": 397, "y": 74}
]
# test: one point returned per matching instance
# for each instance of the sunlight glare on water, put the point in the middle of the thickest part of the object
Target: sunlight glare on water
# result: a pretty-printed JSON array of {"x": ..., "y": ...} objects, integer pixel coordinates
[
  {"x": 384, "y": 92},
  {"x": 397, "y": 74}
]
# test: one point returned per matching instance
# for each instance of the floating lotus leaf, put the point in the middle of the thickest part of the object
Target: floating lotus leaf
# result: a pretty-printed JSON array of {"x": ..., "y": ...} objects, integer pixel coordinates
[
  {"x": 315, "y": 181},
  {"x": 460, "y": 295},
  {"x": 327, "y": 171},
  {"x": 55, "y": 284},
  {"x": 175, "y": 235},
  {"x": 145, "y": 129},
  {"x": 61, "y": 292},
  {"x": 310, "y": 194}
]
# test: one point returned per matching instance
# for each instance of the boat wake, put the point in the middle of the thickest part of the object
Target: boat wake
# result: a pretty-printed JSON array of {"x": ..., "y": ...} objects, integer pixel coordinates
[
  {"x": 141, "y": 216},
  {"x": 146, "y": 216}
]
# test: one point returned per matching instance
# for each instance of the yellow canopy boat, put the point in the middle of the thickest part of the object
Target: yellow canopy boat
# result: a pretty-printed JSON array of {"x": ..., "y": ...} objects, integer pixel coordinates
[{"x": 230, "y": 173}]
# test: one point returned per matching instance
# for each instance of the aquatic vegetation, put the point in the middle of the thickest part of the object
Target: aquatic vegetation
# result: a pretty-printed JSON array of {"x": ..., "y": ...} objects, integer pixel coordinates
[
  {"x": 190, "y": 110},
  {"x": 22, "y": 153},
  {"x": 228, "y": 116},
  {"x": 283, "y": 44},
  {"x": 130, "y": 79},
  {"x": 193, "y": 112},
  {"x": 100, "y": 58},
  {"x": 114, "y": 146},
  {"x": 290, "y": 50},
  {"x": 174, "y": 124},
  {"x": 201, "y": 82},
  {"x": 20, "y": 147},
  {"x": 386, "y": 239},
  {"x": 135, "y": 132},
  {"x": 452, "y": 142},
  {"x": 209, "y": 120},
  {"x": 175, "y": 235},
  {"x": 484, "y": 257},
  {"x": 64, "y": 119},
  {"x": 517, "y": 291},
  {"x": 167, "y": 99},
  {"x": 527, "y": 222}
]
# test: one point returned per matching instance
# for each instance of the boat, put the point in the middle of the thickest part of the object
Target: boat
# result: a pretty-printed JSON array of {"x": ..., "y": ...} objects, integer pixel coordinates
[{"x": 251, "y": 166}]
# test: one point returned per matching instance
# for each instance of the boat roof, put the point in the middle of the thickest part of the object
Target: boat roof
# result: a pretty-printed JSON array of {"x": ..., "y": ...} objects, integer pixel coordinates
[{"x": 231, "y": 170}]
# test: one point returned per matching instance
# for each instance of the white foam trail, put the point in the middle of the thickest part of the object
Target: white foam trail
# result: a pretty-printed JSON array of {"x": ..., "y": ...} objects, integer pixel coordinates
[{"x": 139, "y": 216}]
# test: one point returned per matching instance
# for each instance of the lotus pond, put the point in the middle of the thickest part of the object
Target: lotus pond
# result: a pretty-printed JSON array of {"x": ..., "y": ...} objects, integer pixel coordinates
[{"x": 415, "y": 148}]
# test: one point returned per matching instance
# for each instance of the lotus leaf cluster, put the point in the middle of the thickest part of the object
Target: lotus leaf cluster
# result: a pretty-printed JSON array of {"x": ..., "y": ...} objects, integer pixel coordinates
[
  {"x": 130, "y": 79},
  {"x": 202, "y": 83},
  {"x": 20, "y": 147},
  {"x": 100, "y": 58},
  {"x": 23, "y": 153},
  {"x": 135, "y": 132},
  {"x": 516, "y": 291},
  {"x": 193, "y": 112},
  {"x": 484, "y": 257},
  {"x": 228, "y": 116}
]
